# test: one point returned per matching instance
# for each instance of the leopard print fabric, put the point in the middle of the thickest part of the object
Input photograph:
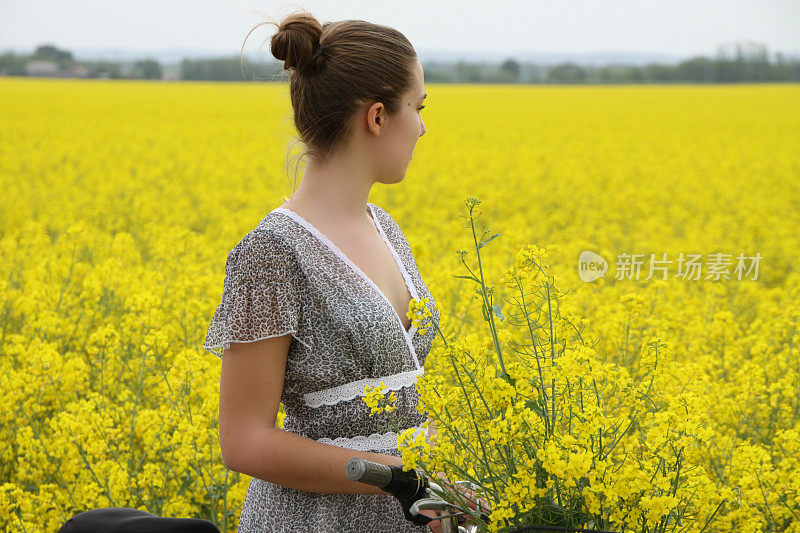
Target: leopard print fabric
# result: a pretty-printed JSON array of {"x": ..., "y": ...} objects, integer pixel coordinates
[{"x": 284, "y": 276}]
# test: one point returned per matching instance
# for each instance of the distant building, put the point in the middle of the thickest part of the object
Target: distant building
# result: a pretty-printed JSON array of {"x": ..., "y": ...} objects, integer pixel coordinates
[
  {"x": 79, "y": 71},
  {"x": 37, "y": 67},
  {"x": 41, "y": 68}
]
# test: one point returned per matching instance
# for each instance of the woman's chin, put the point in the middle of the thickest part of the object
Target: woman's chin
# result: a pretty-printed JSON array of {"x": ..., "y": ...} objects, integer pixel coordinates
[{"x": 397, "y": 178}]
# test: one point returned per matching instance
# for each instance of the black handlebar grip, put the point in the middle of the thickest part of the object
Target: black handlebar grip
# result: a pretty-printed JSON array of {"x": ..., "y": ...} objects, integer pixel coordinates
[
  {"x": 406, "y": 486},
  {"x": 361, "y": 470}
]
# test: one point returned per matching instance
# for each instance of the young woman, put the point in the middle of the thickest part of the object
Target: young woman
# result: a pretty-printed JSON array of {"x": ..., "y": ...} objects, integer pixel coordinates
[{"x": 315, "y": 296}]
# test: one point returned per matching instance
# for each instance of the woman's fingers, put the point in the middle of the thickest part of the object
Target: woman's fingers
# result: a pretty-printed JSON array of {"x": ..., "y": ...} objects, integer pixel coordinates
[
  {"x": 433, "y": 525},
  {"x": 468, "y": 494},
  {"x": 472, "y": 498}
]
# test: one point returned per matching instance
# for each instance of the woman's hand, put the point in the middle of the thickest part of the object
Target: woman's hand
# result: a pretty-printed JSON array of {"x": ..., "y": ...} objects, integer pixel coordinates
[
  {"x": 466, "y": 493},
  {"x": 434, "y": 525}
]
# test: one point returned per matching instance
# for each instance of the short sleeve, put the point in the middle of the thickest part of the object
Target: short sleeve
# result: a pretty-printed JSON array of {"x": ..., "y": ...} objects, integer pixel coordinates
[{"x": 262, "y": 294}]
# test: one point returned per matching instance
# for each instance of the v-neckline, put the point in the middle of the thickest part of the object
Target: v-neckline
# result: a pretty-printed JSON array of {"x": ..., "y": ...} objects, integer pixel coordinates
[{"x": 355, "y": 268}]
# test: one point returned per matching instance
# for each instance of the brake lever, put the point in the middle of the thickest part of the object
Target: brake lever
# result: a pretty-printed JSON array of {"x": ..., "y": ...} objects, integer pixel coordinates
[{"x": 429, "y": 504}]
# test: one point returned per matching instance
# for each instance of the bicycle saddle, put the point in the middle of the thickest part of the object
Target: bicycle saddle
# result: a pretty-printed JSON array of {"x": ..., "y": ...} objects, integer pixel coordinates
[{"x": 126, "y": 520}]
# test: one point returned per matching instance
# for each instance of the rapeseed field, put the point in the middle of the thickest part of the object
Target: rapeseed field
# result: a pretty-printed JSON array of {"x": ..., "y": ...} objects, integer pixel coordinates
[{"x": 121, "y": 200}]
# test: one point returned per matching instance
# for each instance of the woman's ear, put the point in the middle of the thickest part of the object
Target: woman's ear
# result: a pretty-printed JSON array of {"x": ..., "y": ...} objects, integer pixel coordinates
[{"x": 376, "y": 117}]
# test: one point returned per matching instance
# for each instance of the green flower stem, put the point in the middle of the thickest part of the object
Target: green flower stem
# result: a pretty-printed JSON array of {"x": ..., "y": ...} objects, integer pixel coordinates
[
  {"x": 542, "y": 389},
  {"x": 472, "y": 412},
  {"x": 486, "y": 300}
]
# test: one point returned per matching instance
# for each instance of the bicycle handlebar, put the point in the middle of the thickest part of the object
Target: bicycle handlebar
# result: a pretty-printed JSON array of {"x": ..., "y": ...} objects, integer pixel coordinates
[{"x": 406, "y": 486}]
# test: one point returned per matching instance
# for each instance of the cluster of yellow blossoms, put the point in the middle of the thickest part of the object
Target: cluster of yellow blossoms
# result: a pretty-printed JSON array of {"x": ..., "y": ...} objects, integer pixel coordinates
[
  {"x": 419, "y": 314},
  {"x": 377, "y": 400},
  {"x": 536, "y": 418}
]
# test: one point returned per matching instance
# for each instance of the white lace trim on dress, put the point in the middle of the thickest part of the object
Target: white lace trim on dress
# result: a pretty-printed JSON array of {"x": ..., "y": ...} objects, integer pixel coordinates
[
  {"x": 409, "y": 283},
  {"x": 376, "y": 441},
  {"x": 354, "y": 389},
  {"x": 401, "y": 266}
]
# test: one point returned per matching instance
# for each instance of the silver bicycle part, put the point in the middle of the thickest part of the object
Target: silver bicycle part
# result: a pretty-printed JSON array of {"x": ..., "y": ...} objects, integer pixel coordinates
[{"x": 434, "y": 502}]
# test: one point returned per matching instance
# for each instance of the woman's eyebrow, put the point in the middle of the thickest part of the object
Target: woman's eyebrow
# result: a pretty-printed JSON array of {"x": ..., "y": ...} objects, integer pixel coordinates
[{"x": 423, "y": 97}]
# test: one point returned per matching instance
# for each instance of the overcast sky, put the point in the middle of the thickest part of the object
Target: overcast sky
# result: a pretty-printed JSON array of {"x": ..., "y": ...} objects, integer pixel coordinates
[{"x": 676, "y": 27}]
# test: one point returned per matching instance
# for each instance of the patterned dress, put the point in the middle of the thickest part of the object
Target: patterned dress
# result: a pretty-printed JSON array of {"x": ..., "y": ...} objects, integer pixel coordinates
[{"x": 285, "y": 276}]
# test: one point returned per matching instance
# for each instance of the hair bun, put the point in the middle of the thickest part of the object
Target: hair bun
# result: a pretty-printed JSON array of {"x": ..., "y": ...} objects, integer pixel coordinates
[{"x": 296, "y": 40}]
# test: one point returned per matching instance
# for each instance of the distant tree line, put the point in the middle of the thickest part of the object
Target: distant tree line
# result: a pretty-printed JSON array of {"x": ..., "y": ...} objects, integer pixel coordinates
[
  {"x": 748, "y": 62},
  {"x": 63, "y": 64}
]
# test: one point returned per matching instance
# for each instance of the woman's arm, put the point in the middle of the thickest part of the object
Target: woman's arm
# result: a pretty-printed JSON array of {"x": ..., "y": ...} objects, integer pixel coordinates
[
  {"x": 297, "y": 462},
  {"x": 251, "y": 383}
]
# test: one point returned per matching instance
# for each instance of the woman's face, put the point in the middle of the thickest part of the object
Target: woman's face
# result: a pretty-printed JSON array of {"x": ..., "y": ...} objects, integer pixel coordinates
[{"x": 401, "y": 131}]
